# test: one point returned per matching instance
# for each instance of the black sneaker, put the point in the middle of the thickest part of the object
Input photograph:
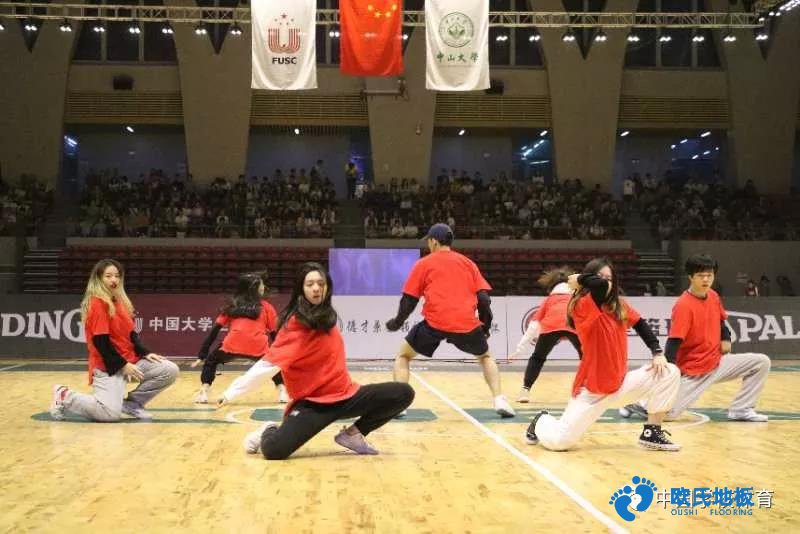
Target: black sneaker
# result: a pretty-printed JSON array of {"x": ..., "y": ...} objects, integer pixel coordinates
[
  {"x": 633, "y": 409},
  {"x": 530, "y": 434},
  {"x": 655, "y": 438}
]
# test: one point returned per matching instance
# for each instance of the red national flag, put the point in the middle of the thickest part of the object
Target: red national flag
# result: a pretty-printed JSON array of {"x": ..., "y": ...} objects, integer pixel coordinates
[{"x": 371, "y": 42}]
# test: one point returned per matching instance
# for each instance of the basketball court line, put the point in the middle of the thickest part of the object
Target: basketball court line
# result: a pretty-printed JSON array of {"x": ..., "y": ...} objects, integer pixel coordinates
[
  {"x": 12, "y": 367},
  {"x": 536, "y": 466}
]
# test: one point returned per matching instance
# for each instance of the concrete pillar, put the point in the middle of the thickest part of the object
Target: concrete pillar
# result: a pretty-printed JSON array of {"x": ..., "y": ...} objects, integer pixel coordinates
[
  {"x": 32, "y": 100},
  {"x": 216, "y": 95},
  {"x": 401, "y": 129},
  {"x": 584, "y": 98}
]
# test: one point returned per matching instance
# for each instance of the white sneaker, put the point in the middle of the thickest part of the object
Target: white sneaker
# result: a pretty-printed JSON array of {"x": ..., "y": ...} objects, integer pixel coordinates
[
  {"x": 503, "y": 408},
  {"x": 134, "y": 410},
  {"x": 283, "y": 395},
  {"x": 201, "y": 397},
  {"x": 524, "y": 396},
  {"x": 252, "y": 441},
  {"x": 749, "y": 415},
  {"x": 57, "y": 404}
]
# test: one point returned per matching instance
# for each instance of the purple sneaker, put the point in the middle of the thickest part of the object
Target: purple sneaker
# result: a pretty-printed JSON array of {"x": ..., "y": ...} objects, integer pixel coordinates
[{"x": 356, "y": 443}]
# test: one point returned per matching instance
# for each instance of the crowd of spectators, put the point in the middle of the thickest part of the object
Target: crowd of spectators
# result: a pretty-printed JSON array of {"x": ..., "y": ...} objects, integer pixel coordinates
[
  {"x": 27, "y": 201},
  {"x": 284, "y": 205},
  {"x": 679, "y": 208},
  {"x": 498, "y": 208}
]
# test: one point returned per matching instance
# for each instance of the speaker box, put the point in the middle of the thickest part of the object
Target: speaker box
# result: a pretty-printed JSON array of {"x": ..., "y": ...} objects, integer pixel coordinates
[{"x": 123, "y": 82}]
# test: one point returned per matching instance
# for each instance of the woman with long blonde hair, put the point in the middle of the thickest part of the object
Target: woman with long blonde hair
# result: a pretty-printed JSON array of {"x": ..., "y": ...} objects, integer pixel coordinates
[{"x": 116, "y": 355}]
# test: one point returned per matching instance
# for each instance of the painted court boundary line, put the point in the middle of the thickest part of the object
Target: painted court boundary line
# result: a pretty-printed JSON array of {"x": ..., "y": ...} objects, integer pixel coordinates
[
  {"x": 12, "y": 367},
  {"x": 539, "y": 468}
]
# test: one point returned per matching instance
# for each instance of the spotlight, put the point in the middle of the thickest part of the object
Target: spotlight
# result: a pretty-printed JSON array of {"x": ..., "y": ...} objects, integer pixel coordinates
[
  {"x": 134, "y": 29},
  {"x": 65, "y": 27},
  {"x": 405, "y": 37},
  {"x": 698, "y": 38},
  {"x": 236, "y": 30},
  {"x": 166, "y": 29},
  {"x": 2, "y": 26},
  {"x": 30, "y": 26},
  {"x": 297, "y": 131},
  {"x": 762, "y": 35},
  {"x": 200, "y": 29},
  {"x": 665, "y": 38},
  {"x": 601, "y": 37},
  {"x": 461, "y": 132},
  {"x": 569, "y": 36},
  {"x": 707, "y": 152},
  {"x": 129, "y": 129},
  {"x": 501, "y": 38},
  {"x": 98, "y": 27},
  {"x": 333, "y": 34},
  {"x": 729, "y": 38},
  {"x": 706, "y": 133},
  {"x": 695, "y": 156},
  {"x": 684, "y": 141},
  {"x": 535, "y": 37},
  {"x": 633, "y": 38},
  {"x": 625, "y": 133},
  {"x": 673, "y": 147},
  {"x": 543, "y": 134}
]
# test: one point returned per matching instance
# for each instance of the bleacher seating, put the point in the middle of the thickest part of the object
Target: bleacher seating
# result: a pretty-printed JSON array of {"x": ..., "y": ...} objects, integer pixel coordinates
[{"x": 214, "y": 269}]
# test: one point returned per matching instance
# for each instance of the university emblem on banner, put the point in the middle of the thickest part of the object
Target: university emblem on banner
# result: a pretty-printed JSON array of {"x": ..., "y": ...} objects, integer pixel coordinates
[
  {"x": 456, "y": 30},
  {"x": 292, "y": 45}
]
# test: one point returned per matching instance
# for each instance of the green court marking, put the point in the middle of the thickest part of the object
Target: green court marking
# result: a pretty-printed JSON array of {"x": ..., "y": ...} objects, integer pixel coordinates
[
  {"x": 786, "y": 368},
  {"x": 45, "y": 416},
  {"x": 414, "y": 415},
  {"x": 181, "y": 410},
  {"x": 719, "y": 415}
]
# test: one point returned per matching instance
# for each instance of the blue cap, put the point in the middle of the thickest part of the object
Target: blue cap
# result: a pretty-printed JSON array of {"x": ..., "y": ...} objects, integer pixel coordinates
[{"x": 441, "y": 233}]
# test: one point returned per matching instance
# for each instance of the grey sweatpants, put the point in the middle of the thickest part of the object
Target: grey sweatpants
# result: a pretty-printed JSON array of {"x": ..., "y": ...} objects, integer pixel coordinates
[
  {"x": 105, "y": 403},
  {"x": 752, "y": 368}
]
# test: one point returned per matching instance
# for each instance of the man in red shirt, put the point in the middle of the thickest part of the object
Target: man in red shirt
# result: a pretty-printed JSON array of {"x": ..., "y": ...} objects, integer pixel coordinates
[
  {"x": 700, "y": 344},
  {"x": 454, "y": 289}
]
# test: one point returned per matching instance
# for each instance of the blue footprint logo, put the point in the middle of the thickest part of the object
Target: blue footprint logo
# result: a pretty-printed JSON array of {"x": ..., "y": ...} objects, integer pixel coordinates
[
  {"x": 646, "y": 490},
  {"x": 628, "y": 500}
]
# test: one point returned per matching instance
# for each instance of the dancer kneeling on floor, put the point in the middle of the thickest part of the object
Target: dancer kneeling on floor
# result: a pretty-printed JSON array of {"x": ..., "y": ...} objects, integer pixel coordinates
[
  {"x": 116, "y": 355},
  {"x": 309, "y": 349},
  {"x": 602, "y": 318}
]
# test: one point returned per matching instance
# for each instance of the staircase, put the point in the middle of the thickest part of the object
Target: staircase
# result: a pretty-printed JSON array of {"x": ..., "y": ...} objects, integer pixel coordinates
[
  {"x": 655, "y": 265},
  {"x": 349, "y": 229},
  {"x": 40, "y": 271}
]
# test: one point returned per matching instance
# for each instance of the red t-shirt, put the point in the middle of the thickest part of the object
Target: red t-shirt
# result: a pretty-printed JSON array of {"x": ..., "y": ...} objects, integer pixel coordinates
[
  {"x": 449, "y": 282},
  {"x": 552, "y": 314},
  {"x": 604, "y": 343},
  {"x": 118, "y": 328},
  {"x": 249, "y": 336},
  {"x": 313, "y": 364},
  {"x": 697, "y": 321}
]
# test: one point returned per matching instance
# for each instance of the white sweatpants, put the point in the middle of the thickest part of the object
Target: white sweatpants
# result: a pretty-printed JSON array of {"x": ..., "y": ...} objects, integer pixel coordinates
[
  {"x": 583, "y": 410},
  {"x": 254, "y": 378}
]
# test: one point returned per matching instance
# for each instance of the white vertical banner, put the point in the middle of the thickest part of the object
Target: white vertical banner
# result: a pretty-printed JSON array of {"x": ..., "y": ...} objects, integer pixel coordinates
[
  {"x": 284, "y": 44},
  {"x": 457, "y": 40}
]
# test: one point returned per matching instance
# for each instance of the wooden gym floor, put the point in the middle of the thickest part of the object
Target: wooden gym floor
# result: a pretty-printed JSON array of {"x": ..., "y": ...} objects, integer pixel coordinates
[{"x": 452, "y": 466}]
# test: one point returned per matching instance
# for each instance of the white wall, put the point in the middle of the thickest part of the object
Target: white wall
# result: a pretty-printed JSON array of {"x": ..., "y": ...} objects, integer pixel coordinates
[{"x": 487, "y": 155}]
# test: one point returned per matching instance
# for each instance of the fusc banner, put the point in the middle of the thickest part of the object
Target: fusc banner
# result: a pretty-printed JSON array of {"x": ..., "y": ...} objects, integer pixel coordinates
[{"x": 36, "y": 326}]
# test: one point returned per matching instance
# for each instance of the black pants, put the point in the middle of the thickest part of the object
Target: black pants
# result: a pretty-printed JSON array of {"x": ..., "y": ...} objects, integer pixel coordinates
[
  {"x": 373, "y": 404},
  {"x": 209, "y": 372},
  {"x": 544, "y": 346}
]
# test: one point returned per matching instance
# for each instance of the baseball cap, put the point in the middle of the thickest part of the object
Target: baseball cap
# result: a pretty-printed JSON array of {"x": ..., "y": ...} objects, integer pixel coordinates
[{"x": 441, "y": 233}]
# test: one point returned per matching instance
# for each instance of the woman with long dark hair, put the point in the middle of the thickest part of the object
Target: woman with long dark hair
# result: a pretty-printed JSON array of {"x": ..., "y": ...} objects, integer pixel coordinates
[
  {"x": 250, "y": 320},
  {"x": 116, "y": 355},
  {"x": 309, "y": 349},
  {"x": 601, "y": 317},
  {"x": 547, "y": 328}
]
